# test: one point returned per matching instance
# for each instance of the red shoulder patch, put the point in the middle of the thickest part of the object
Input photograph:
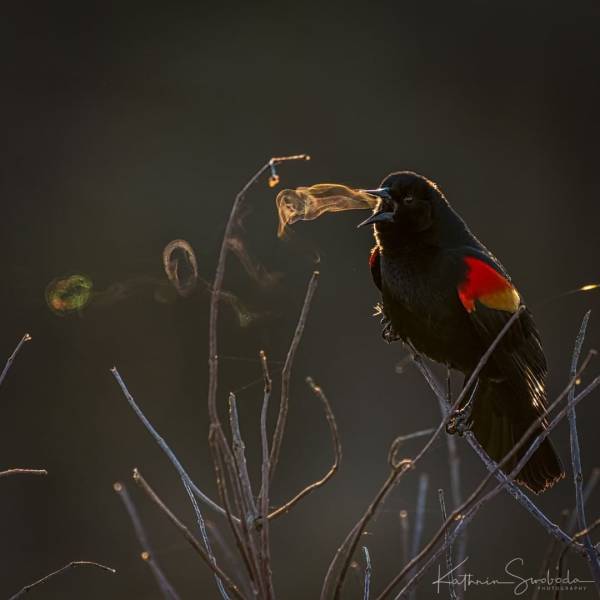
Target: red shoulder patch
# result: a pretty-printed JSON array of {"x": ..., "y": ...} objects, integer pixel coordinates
[
  {"x": 486, "y": 285},
  {"x": 373, "y": 256},
  {"x": 374, "y": 266}
]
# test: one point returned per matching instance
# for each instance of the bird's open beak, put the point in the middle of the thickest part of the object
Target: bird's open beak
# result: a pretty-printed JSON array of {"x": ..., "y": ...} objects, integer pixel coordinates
[{"x": 381, "y": 216}]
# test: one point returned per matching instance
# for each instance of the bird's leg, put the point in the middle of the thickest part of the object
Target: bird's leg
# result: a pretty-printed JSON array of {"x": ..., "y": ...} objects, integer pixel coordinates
[
  {"x": 460, "y": 420},
  {"x": 387, "y": 333}
]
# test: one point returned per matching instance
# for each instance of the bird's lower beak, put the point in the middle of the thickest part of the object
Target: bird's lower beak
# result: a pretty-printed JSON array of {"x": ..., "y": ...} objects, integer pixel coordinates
[{"x": 381, "y": 216}]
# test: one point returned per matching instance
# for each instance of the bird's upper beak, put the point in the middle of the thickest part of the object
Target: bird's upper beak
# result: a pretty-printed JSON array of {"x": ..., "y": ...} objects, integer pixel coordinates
[{"x": 381, "y": 215}]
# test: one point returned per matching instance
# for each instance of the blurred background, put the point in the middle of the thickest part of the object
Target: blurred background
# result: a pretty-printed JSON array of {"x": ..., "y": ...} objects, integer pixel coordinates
[{"x": 125, "y": 127}]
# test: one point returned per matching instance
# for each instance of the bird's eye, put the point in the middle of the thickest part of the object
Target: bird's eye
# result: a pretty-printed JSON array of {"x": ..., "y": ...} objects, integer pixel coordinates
[{"x": 408, "y": 200}]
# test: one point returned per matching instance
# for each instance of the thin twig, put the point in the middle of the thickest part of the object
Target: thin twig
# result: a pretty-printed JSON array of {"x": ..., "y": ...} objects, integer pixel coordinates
[
  {"x": 552, "y": 528},
  {"x": 221, "y": 453},
  {"x": 455, "y": 479},
  {"x": 248, "y": 505},
  {"x": 147, "y": 554},
  {"x": 11, "y": 358},
  {"x": 72, "y": 565},
  {"x": 420, "y": 512},
  {"x": 590, "y": 486},
  {"x": 9, "y": 472},
  {"x": 337, "y": 450},
  {"x": 349, "y": 544},
  {"x": 163, "y": 444},
  {"x": 287, "y": 373},
  {"x": 419, "y": 515},
  {"x": 213, "y": 359},
  {"x": 204, "y": 535},
  {"x": 229, "y": 557},
  {"x": 576, "y": 458},
  {"x": 238, "y": 527},
  {"x": 470, "y": 507},
  {"x": 368, "y": 572},
  {"x": 411, "y": 436},
  {"x": 449, "y": 560},
  {"x": 494, "y": 469},
  {"x": 404, "y": 529},
  {"x": 554, "y": 544},
  {"x": 566, "y": 547},
  {"x": 352, "y": 537},
  {"x": 239, "y": 453},
  {"x": 263, "y": 497},
  {"x": 187, "y": 534}
]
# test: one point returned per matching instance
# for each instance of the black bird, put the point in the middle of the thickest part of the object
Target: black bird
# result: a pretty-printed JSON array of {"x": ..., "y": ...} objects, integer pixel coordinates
[{"x": 445, "y": 293}]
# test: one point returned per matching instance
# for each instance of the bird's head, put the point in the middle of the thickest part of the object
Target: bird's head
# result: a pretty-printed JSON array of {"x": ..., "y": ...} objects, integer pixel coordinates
[{"x": 408, "y": 203}]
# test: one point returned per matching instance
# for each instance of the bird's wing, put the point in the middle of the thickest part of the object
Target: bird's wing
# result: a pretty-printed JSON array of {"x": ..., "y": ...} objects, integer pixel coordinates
[
  {"x": 374, "y": 265},
  {"x": 490, "y": 299}
]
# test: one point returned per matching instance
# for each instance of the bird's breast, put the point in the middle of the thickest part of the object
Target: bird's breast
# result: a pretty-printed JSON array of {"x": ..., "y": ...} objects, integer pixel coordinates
[{"x": 420, "y": 299}]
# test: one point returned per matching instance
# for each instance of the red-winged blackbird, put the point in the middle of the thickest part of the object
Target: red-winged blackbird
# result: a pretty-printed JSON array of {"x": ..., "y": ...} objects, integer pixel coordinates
[{"x": 444, "y": 293}]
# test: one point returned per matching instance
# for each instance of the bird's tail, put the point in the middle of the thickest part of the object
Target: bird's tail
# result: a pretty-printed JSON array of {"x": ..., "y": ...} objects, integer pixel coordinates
[{"x": 501, "y": 415}]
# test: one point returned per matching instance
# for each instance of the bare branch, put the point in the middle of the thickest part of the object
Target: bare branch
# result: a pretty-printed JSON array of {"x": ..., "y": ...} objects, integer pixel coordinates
[
  {"x": 349, "y": 544},
  {"x": 449, "y": 560},
  {"x": 578, "y": 535},
  {"x": 337, "y": 450},
  {"x": 11, "y": 358},
  {"x": 470, "y": 507},
  {"x": 147, "y": 554},
  {"x": 352, "y": 537},
  {"x": 238, "y": 527},
  {"x": 554, "y": 544},
  {"x": 213, "y": 359},
  {"x": 404, "y": 528},
  {"x": 287, "y": 373},
  {"x": 263, "y": 497},
  {"x": 72, "y": 565},
  {"x": 419, "y": 516},
  {"x": 493, "y": 468},
  {"x": 241, "y": 481},
  {"x": 204, "y": 535},
  {"x": 187, "y": 534},
  {"x": 221, "y": 452},
  {"x": 420, "y": 512},
  {"x": 576, "y": 458},
  {"x": 368, "y": 571},
  {"x": 163, "y": 444},
  {"x": 590, "y": 486},
  {"x": 239, "y": 453},
  {"x": 9, "y": 472}
]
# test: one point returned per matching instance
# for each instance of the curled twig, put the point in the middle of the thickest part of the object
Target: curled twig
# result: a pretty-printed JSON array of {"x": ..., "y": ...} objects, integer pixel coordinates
[{"x": 337, "y": 450}]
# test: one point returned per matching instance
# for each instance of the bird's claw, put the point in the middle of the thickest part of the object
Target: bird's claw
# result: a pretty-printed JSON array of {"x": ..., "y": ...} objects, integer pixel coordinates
[
  {"x": 460, "y": 421},
  {"x": 388, "y": 333}
]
